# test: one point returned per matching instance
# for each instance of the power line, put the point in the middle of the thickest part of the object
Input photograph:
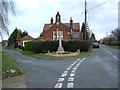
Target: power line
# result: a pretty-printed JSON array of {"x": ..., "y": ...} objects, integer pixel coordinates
[
  {"x": 86, "y": 24},
  {"x": 98, "y": 5},
  {"x": 90, "y": 9}
]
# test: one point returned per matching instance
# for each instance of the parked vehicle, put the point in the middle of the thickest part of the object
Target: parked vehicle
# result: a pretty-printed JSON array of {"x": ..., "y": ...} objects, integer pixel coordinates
[{"x": 95, "y": 45}]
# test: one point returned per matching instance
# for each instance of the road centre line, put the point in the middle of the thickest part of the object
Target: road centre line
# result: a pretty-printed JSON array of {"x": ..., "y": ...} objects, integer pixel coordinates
[
  {"x": 73, "y": 71},
  {"x": 58, "y": 85},
  {"x": 66, "y": 71},
  {"x": 63, "y": 75},
  {"x": 115, "y": 57},
  {"x": 68, "y": 68},
  {"x": 61, "y": 79},
  {"x": 72, "y": 74},
  {"x": 110, "y": 53},
  {"x": 70, "y": 85},
  {"x": 71, "y": 79}
]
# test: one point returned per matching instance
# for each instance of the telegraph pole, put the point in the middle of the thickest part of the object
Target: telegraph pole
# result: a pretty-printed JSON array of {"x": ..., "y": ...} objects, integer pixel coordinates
[{"x": 85, "y": 20}]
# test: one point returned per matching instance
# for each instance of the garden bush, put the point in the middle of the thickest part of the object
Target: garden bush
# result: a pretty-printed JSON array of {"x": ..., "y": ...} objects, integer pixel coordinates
[{"x": 44, "y": 46}]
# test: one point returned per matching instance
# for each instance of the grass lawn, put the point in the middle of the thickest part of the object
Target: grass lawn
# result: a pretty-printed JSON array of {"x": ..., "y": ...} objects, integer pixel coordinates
[
  {"x": 9, "y": 66},
  {"x": 43, "y": 55},
  {"x": 10, "y": 48},
  {"x": 114, "y": 47},
  {"x": 29, "y": 53}
]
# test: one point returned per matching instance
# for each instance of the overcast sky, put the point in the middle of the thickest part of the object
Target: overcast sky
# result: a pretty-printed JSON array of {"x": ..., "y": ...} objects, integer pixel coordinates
[{"x": 31, "y": 15}]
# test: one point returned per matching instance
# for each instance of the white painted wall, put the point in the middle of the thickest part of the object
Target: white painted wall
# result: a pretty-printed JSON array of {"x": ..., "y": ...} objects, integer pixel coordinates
[{"x": 25, "y": 41}]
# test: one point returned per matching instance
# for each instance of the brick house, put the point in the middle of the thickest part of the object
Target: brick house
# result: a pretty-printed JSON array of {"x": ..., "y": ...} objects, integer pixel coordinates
[
  {"x": 25, "y": 39},
  {"x": 70, "y": 31}
]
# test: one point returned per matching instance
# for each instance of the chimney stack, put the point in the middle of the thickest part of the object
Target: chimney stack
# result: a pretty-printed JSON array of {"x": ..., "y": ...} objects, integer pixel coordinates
[
  {"x": 71, "y": 22},
  {"x": 51, "y": 21}
]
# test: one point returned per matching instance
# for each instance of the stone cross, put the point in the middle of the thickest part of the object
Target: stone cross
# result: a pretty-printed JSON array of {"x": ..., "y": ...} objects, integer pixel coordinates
[
  {"x": 60, "y": 40},
  {"x": 60, "y": 48}
]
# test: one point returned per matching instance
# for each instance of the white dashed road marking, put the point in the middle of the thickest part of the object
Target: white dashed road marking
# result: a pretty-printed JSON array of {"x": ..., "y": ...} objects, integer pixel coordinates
[
  {"x": 61, "y": 80},
  {"x": 68, "y": 68},
  {"x": 115, "y": 57},
  {"x": 72, "y": 74},
  {"x": 73, "y": 71},
  {"x": 110, "y": 53},
  {"x": 70, "y": 85},
  {"x": 63, "y": 75},
  {"x": 58, "y": 85},
  {"x": 71, "y": 79},
  {"x": 66, "y": 72},
  {"x": 74, "y": 68}
]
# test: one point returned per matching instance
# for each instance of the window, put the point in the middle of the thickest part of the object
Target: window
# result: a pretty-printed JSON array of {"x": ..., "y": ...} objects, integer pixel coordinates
[{"x": 56, "y": 35}]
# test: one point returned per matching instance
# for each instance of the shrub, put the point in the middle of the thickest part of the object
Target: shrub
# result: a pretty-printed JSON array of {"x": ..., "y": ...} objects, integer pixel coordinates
[
  {"x": 73, "y": 46},
  {"x": 28, "y": 46},
  {"x": 40, "y": 47},
  {"x": 44, "y": 46},
  {"x": 116, "y": 43}
]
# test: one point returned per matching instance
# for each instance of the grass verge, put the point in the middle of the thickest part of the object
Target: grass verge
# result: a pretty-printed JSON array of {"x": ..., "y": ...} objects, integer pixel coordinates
[
  {"x": 29, "y": 53},
  {"x": 9, "y": 67},
  {"x": 43, "y": 55},
  {"x": 114, "y": 47},
  {"x": 5, "y": 47}
]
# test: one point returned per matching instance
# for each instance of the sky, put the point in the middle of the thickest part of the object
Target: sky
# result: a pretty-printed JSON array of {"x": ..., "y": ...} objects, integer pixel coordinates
[{"x": 31, "y": 15}]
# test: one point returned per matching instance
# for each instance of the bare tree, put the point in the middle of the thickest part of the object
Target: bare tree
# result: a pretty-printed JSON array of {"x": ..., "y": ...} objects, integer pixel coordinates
[
  {"x": 116, "y": 34},
  {"x": 113, "y": 38},
  {"x": 5, "y": 7}
]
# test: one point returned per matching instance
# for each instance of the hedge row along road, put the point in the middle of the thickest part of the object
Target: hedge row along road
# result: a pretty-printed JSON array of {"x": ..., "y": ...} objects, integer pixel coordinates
[
  {"x": 72, "y": 46},
  {"x": 98, "y": 70}
]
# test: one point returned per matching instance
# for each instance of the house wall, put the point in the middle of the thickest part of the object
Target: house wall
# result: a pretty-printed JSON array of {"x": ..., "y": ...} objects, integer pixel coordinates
[
  {"x": 48, "y": 35},
  {"x": 20, "y": 43},
  {"x": 27, "y": 38}
]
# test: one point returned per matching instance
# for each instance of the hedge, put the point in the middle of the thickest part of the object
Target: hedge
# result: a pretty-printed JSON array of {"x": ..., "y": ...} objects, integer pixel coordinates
[
  {"x": 41, "y": 46},
  {"x": 73, "y": 46},
  {"x": 44, "y": 46},
  {"x": 116, "y": 43}
]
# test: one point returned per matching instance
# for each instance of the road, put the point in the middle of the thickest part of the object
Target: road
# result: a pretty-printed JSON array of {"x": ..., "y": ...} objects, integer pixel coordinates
[{"x": 98, "y": 70}]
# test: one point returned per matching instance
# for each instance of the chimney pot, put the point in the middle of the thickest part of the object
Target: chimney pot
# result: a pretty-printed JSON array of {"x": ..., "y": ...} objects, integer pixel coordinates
[
  {"x": 71, "y": 22},
  {"x": 51, "y": 21}
]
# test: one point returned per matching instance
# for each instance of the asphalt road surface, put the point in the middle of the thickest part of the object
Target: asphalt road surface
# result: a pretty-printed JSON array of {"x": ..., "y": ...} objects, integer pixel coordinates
[{"x": 98, "y": 70}]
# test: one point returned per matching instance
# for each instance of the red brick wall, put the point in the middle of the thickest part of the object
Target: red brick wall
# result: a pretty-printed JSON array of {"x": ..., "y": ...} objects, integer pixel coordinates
[
  {"x": 48, "y": 35},
  {"x": 26, "y": 38},
  {"x": 20, "y": 43}
]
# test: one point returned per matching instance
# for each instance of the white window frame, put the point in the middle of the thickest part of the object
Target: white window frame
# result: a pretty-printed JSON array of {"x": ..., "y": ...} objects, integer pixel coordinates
[{"x": 57, "y": 35}]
